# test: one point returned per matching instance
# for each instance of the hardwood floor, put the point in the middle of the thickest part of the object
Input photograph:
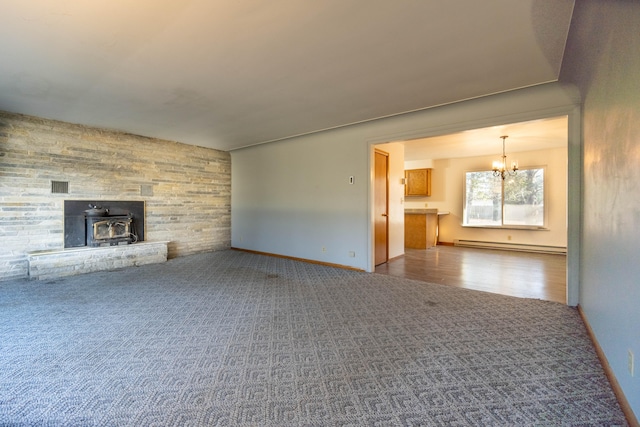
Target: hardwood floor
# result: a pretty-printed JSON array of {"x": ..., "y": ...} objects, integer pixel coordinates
[{"x": 519, "y": 274}]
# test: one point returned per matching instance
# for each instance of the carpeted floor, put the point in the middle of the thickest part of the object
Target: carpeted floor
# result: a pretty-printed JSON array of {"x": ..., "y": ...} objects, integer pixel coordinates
[{"x": 237, "y": 339}]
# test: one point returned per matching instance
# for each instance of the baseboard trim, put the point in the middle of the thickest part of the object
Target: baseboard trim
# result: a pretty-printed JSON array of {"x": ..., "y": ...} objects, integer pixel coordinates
[
  {"x": 511, "y": 246},
  {"x": 617, "y": 390},
  {"x": 310, "y": 261},
  {"x": 395, "y": 257}
]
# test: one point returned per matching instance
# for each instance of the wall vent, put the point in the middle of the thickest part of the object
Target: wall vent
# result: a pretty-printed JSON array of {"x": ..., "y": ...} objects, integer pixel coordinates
[{"x": 60, "y": 187}]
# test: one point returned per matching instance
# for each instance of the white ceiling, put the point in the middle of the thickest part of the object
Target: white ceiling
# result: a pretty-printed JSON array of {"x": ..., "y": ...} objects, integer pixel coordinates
[
  {"x": 231, "y": 73},
  {"x": 525, "y": 136}
]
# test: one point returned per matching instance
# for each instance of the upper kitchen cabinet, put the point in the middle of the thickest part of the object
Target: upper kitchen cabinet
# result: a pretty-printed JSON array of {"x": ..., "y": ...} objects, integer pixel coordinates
[{"x": 417, "y": 182}]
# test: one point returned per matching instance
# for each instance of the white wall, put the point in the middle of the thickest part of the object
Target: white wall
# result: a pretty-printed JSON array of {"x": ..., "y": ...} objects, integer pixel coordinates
[
  {"x": 447, "y": 194},
  {"x": 292, "y": 197},
  {"x": 602, "y": 60}
]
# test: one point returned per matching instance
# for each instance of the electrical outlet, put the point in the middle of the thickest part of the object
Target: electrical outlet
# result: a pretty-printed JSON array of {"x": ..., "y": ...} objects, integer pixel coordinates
[
  {"x": 508, "y": 237},
  {"x": 324, "y": 249},
  {"x": 352, "y": 254},
  {"x": 630, "y": 361}
]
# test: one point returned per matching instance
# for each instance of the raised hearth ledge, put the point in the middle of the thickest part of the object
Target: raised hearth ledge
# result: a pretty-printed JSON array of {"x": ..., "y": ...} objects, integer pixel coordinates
[{"x": 53, "y": 263}]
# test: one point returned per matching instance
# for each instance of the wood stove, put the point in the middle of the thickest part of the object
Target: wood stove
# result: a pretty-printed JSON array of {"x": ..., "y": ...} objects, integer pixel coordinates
[
  {"x": 110, "y": 231},
  {"x": 118, "y": 222}
]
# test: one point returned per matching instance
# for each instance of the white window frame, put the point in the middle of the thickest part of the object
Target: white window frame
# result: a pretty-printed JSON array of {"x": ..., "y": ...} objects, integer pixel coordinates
[{"x": 502, "y": 225}]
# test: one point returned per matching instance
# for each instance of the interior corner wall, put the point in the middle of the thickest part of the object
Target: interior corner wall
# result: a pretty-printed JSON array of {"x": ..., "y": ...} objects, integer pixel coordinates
[
  {"x": 186, "y": 189},
  {"x": 293, "y": 198},
  {"x": 602, "y": 60}
]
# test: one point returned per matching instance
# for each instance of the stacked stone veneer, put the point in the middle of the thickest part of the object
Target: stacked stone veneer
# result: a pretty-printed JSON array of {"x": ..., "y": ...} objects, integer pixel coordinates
[
  {"x": 186, "y": 189},
  {"x": 68, "y": 262}
]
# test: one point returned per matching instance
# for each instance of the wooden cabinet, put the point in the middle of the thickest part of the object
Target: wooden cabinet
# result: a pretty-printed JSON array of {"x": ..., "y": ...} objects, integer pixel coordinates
[
  {"x": 417, "y": 182},
  {"x": 420, "y": 228}
]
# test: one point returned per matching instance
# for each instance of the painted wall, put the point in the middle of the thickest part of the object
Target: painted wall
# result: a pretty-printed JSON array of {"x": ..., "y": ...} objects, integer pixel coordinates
[
  {"x": 447, "y": 194},
  {"x": 602, "y": 60},
  {"x": 293, "y": 198},
  {"x": 186, "y": 189}
]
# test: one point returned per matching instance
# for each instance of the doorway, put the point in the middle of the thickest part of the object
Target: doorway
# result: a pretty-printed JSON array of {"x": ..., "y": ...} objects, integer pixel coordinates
[
  {"x": 381, "y": 207},
  {"x": 572, "y": 183}
]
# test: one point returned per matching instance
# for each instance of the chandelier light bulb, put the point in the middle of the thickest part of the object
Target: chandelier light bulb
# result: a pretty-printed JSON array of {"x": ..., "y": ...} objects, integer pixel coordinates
[{"x": 500, "y": 166}]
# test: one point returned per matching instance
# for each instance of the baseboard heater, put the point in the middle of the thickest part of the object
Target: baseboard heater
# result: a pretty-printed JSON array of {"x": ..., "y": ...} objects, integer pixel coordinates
[{"x": 511, "y": 246}]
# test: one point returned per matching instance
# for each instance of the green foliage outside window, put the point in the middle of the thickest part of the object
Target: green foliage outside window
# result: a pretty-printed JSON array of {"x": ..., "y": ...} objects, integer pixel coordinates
[{"x": 517, "y": 200}]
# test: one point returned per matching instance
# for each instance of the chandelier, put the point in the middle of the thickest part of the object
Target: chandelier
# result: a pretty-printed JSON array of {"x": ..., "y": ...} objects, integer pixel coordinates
[{"x": 500, "y": 166}]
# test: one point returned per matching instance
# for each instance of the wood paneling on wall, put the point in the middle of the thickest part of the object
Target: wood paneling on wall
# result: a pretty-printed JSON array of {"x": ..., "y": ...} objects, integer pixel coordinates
[{"x": 186, "y": 189}]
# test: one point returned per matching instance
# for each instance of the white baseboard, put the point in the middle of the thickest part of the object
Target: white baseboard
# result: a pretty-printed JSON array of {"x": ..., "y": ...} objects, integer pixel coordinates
[{"x": 511, "y": 246}]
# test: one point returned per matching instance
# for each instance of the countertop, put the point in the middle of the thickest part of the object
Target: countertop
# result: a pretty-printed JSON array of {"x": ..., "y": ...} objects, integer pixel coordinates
[
  {"x": 420, "y": 211},
  {"x": 424, "y": 211}
]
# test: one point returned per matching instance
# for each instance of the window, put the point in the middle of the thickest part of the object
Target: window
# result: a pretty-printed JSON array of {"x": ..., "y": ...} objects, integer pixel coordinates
[{"x": 517, "y": 201}]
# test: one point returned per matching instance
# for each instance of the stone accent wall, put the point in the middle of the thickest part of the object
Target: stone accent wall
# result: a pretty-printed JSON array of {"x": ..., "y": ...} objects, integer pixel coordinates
[{"x": 186, "y": 189}]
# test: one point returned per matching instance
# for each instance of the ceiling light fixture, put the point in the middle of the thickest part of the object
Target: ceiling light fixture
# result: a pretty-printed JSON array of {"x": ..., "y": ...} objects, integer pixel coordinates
[{"x": 500, "y": 167}]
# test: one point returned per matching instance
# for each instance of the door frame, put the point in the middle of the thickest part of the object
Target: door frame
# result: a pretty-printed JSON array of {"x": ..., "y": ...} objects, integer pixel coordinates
[
  {"x": 386, "y": 155},
  {"x": 574, "y": 176}
]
